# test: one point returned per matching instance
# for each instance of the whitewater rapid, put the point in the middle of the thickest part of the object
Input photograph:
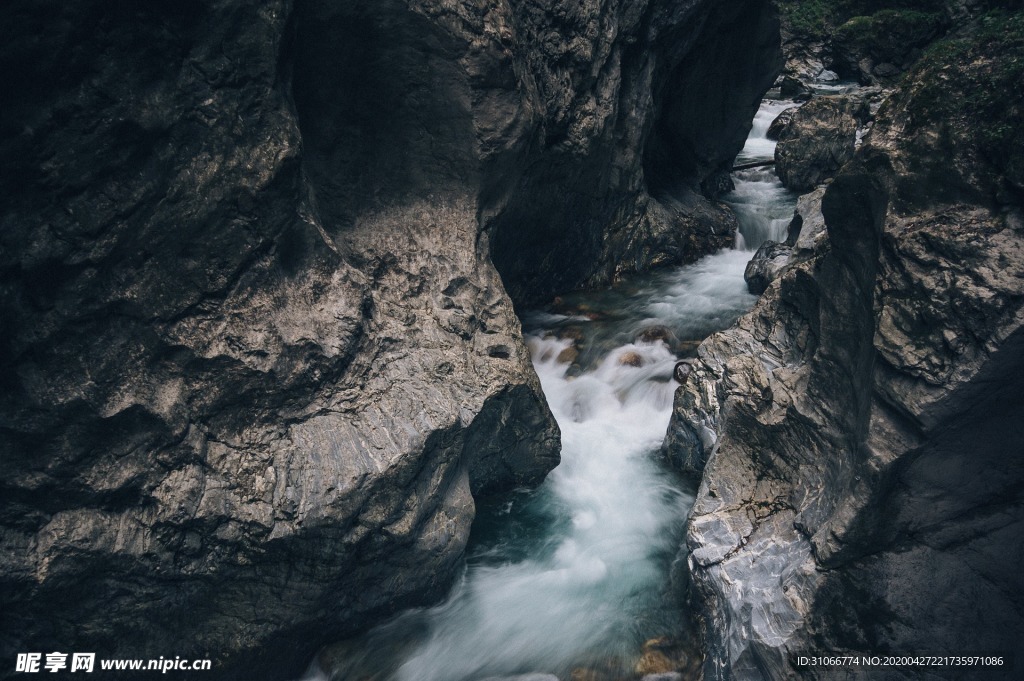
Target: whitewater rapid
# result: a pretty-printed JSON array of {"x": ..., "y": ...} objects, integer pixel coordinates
[{"x": 578, "y": 573}]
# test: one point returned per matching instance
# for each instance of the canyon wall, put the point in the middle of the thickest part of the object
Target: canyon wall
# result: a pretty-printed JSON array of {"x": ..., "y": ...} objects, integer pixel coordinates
[
  {"x": 257, "y": 356},
  {"x": 857, "y": 432}
]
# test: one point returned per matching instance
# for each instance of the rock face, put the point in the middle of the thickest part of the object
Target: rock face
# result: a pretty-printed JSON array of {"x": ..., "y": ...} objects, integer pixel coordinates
[
  {"x": 869, "y": 41},
  {"x": 806, "y": 239},
  {"x": 817, "y": 139},
  {"x": 257, "y": 360},
  {"x": 857, "y": 431},
  {"x": 879, "y": 48},
  {"x": 632, "y": 131}
]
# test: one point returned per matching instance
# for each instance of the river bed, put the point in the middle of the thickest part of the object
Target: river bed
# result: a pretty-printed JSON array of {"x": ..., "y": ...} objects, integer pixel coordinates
[{"x": 577, "y": 577}]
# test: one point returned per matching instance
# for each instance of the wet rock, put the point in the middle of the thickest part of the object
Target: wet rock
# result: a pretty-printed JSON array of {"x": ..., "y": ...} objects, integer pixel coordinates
[
  {"x": 523, "y": 677},
  {"x": 574, "y": 333},
  {"x": 713, "y": 186},
  {"x": 667, "y": 676},
  {"x": 794, "y": 88},
  {"x": 654, "y": 662},
  {"x": 568, "y": 355},
  {"x": 766, "y": 265},
  {"x": 681, "y": 372},
  {"x": 687, "y": 348},
  {"x": 631, "y": 359},
  {"x": 819, "y": 138},
  {"x": 656, "y": 334},
  {"x": 781, "y": 123},
  {"x": 862, "y": 412},
  {"x": 660, "y": 658}
]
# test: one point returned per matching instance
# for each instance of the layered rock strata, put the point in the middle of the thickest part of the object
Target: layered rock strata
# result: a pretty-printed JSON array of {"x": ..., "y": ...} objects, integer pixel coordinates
[
  {"x": 856, "y": 433},
  {"x": 257, "y": 360}
]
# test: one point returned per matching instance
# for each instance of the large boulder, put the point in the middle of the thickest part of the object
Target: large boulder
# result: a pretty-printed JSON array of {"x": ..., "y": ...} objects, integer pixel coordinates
[
  {"x": 817, "y": 139},
  {"x": 256, "y": 362},
  {"x": 864, "y": 467},
  {"x": 807, "y": 239},
  {"x": 766, "y": 265}
]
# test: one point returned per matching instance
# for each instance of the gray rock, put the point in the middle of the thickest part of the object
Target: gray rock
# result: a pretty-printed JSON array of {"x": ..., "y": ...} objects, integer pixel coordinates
[
  {"x": 257, "y": 357},
  {"x": 807, "y": 239},
  {"x": 808, "y": 227},
  {"x": 523, "y": 677},
  {"x": 863, "y": 486},
  {"x": 817, "y": 140},
  {"x": 781, "y": 123},
  {"x": 794, "y": 88},
  {"x": 766, "y": 265}
]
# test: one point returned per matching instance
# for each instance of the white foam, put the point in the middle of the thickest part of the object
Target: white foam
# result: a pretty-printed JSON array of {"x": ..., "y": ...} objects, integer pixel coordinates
[
  {"x": 586, "y": 594},
  {"x": 763, "y": 206}
]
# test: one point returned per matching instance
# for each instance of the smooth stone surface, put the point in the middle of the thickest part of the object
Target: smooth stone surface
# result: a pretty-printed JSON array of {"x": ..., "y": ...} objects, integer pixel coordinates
[{"x": 766, "y": 265}]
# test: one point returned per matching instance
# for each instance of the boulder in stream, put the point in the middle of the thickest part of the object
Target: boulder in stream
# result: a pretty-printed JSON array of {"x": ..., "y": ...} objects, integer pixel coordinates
[
  {"x": 766, "y": 265},
  {"x": 817, "y": 140}
]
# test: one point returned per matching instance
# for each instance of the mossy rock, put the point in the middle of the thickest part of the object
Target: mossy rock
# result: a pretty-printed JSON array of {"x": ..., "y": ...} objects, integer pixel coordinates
[
  {"x": 968, "y": 88},
  {"x": 818, "y": 19},
  {"x": 880, "y": 46}
]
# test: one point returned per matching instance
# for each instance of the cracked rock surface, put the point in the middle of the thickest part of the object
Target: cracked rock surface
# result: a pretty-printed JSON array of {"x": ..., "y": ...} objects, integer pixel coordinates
[
  {"x": 857, "y": 432},
  {"x": 257, "y": 357}
]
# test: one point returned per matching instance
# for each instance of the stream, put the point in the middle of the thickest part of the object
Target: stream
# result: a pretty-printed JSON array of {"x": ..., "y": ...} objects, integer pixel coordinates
[{"x": 576, "y": 577}]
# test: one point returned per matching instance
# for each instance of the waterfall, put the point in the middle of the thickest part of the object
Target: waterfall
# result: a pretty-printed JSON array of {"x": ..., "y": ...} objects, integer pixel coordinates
[{"x": 763, "y": 206}]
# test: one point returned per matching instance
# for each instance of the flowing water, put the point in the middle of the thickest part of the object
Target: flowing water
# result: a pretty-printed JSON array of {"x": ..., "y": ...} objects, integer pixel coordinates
[
  {"x": 764, "y": 207},
  {"x": 577, "y": 574}
]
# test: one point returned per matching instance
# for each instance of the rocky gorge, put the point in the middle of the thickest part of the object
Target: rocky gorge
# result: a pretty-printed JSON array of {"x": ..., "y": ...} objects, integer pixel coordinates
[
  {"x": 258, "y": 264},
  {"x": 856, "y": 433},
  {"x": 261, "y": 273}
]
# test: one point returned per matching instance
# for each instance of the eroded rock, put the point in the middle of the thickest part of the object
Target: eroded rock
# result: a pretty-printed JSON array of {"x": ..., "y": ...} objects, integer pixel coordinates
[
  {"x": 817, "y": 140},
  {"x": 257, "y": 360},
  {"x": 861, "y": 453},
  {"x": 766, "y": 265}
]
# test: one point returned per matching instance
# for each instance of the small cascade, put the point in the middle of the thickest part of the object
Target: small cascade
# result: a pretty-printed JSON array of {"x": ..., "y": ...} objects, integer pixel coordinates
[
  {"x": 575, "y": 577},
  {"x": 763, "y": 206}
]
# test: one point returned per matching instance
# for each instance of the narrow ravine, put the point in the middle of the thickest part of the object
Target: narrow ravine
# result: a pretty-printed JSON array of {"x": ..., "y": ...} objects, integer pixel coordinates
[{"x": 578, "y": 574}]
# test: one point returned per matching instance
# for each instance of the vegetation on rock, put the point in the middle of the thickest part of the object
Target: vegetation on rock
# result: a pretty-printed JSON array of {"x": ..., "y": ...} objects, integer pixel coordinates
[
  {"x": 971, "y": 81},
  {"x": 819, "y": 18}
]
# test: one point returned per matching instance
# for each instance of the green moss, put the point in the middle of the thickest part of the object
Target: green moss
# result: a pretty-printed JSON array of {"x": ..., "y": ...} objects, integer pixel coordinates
[
  {"x": 812, "y": 18},
  {"x": 972, "y": 82},
  {"x": 819, "y": 18},
  {"x": 891, "y": 34}
]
